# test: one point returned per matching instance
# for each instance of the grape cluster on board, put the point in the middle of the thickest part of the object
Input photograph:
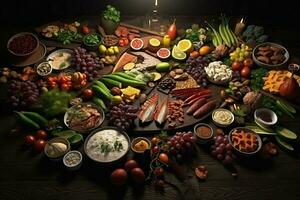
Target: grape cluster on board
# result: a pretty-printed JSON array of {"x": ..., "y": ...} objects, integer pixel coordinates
[
  {"x": 222, "y": 150},
  {"x": 22, "y": 93},
  {"x": 182, "y": 143},
  {"x": 86, "y": 63},
  {"x": 195, "y": 68},
  {"x": 122, "y": 115}
]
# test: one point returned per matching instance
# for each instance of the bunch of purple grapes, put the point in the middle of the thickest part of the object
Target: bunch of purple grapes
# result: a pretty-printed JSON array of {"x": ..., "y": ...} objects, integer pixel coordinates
[
  {"x": 22, "y": 93},
  {"x": 122, "y": 115},
  {"x": 222, "y": 150},
  {"x": 86, "y": 63},
  {"x": 181, "y": 144},
  {"x": 195, "y": 68}
]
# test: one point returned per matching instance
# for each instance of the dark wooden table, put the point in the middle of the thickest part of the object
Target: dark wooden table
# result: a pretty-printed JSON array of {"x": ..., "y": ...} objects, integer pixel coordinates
[{"x": 24, "y": 175}]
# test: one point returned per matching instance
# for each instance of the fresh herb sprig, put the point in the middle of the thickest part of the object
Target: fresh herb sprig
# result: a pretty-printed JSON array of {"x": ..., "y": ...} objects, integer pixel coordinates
[{"x": 111, "y": 13}]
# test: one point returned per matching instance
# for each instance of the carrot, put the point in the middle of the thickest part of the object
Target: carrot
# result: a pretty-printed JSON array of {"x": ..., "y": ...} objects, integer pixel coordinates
[
  {"x": 194, "y": 100},
  {"x": 196, "y": 106},
  {"x": 205, "y": 109}
]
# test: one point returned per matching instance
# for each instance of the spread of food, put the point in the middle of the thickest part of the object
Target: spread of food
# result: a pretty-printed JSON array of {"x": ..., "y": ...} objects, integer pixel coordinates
[{"x": 138, "y": 81}]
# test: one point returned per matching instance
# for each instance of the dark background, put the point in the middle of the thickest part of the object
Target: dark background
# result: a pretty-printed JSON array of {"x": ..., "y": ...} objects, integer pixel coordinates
[{"x": 282, "y": 13}]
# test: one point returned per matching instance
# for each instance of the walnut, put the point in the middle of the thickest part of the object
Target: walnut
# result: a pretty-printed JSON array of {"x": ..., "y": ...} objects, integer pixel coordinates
[{"x": 201, "y": 172}]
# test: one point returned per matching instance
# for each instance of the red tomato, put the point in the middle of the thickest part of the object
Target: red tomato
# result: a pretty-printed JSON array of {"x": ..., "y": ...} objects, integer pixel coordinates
[
  {"x": 159, "y": 171},
  {"x": 63, "y": 79},
  {"x": 88, "y": 93},
  {"x": 236, "y": 66},
  {"x": 248, "y": 62},
  {"x": 39, "y": 145},
  {"x": 163, "y": 158},
  {"x": 65, "y": 86},
  {"x": 86, "y": 30},
  {"x": 118, "y": 177},
  {"x": 41, "y": 134},
  {"x": 29, "y": 140},
  {"x": 245, "y": 72}
]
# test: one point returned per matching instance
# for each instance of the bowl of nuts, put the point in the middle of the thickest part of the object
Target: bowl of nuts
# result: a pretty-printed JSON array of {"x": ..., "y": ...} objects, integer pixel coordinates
[{"x": 270, "y": 55}]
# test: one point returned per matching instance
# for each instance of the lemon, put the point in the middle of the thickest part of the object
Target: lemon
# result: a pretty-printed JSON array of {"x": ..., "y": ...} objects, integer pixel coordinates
[
  {"x": 102, "y": 49},
  {"x": 178, "y": 54},
  {"x": 116, "y": 49},
  {"x": 110, "y": 51},
  {"x": 185, "y": 45}
]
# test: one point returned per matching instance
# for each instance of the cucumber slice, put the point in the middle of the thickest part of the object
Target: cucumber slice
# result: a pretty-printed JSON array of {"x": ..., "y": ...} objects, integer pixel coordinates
[
  {"x": 283, "y": 144},
  {"x": 285, "y": 133},
  {"x": 286, "y": 106},
  {"x": 259, "y": 131},
  {"x": 262, "y": 127}
]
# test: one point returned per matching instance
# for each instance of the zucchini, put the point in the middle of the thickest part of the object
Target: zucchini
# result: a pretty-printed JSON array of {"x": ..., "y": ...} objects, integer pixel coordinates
[
  {"x": 103, "y": 86},
  {"x": 111, "y": 83},
  {"x": 100, "y": 103},
  {"x": 125, "y": 81},
  {"x": 100, "y": 91},
  {"x": 124, "y": 75},
  {"x": 286, "y": 134},
  {"x": 27, "y": 121},
  {"x": 36, "y": 117},
  {"x": 284, "y": 144}
]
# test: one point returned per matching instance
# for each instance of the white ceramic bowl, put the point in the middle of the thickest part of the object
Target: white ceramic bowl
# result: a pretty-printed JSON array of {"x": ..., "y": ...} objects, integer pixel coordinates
[
  {"x": 44, "y": 72},
  {"x": 219, "y": 123},
  {"x": 260, "y": 111},
  {"x": 262, "y": 64},
  {"x": 73, "y": 166}
]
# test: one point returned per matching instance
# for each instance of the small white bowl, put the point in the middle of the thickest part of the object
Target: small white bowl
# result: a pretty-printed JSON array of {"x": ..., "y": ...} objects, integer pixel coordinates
[
  {"x": 44, "y": 72},
  {"x": 219, "y": 123},
  {"x": 266, "y": 111},
  {"x": 76, "y": 165}
]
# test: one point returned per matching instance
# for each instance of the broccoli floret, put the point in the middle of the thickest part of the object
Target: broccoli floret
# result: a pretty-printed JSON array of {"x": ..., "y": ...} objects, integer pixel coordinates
[
  {"x": 258, "y": 31},
  {"x": 247, "y": 33},
  {"x": 250, "y": 28},
  {"x": 262, "y": 39}
]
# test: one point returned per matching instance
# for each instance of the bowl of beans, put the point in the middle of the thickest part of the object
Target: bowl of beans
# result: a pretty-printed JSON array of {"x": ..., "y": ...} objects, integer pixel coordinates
[{"x": 23, "y": 44}]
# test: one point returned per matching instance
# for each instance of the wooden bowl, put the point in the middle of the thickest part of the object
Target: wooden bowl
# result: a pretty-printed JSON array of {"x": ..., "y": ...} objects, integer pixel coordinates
[{"x": 21, "y": 35}]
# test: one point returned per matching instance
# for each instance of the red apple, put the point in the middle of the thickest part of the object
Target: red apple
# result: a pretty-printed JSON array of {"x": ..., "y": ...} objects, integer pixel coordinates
[
  {"x": 118, "y": 177},
  {"x": 138, "y": 175},
  {"x": 130, "y": 164}
]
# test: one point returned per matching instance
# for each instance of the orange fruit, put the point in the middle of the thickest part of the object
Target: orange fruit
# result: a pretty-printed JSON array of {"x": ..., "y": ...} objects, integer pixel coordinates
[
  {"x": 204, "y": 50},
  {"x": 163, "y": 158}
]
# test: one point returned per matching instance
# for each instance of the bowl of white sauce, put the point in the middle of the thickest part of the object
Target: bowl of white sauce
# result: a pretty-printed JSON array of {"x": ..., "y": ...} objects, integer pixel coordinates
[{"x": 107, "y": 145}]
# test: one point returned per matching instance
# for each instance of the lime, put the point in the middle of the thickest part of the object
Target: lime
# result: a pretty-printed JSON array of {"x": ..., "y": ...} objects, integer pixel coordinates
[
  {"x": 178, "y": 54},
  {"x": 154, "y": 42},
  {"x": 102, "y": 49},
  {"x": 185, "y": 45},
  {"x": 116, "y": 49}
]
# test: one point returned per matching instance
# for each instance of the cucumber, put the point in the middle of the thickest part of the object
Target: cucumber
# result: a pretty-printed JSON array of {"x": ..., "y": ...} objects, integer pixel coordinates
[
  {"x": 103, "y": 86},
  {"x": 98, "y": 90},
  {"x": 111, "y": 83},
  {"x": 125, "y": 81},
  {"x": 259, "y": 131},
  {"x": 163, "y": 67},
  {"x": 286, "y": 106},
  {"x": 285, "y": 134},
  {"x": 124, "y": 75},
  {"x": 283, "y": 144},
  {"x": 27, "y": 121},
  {"x": 36, "y": 117},
  {"x": 100, "y": 103},
  {"x": 262, "y": 127}
]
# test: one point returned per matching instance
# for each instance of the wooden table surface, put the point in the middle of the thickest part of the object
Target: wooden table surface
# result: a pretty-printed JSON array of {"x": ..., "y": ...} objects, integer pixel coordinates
[{"x": 24, "y": 175}]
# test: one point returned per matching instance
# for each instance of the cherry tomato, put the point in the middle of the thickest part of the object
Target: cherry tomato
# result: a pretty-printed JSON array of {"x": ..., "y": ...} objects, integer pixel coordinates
[
  {"x": 248, "y": 62},
  {"x": 163, "y": 158},
  {"x": 236, "y": 66},
  {"x": 65, "y": 86},
  {"x": 155, "y": 149},
  {"x": 41, "y": 134},
  {"x": 86, "y": 30},
  {"x": 154, "y": 141},
  {"x": 88, "y": 93},
  {"x": 159, "y": 171},
  {"x": 63, "y": 79},
  {"x": 39, "y": 145},
  {"x": 29, "y": 140},
  {"x": 245, "y": 72}
]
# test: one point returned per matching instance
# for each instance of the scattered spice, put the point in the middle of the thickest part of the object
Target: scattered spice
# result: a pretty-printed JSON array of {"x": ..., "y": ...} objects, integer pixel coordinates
[{"x": 204, "y": 132}]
